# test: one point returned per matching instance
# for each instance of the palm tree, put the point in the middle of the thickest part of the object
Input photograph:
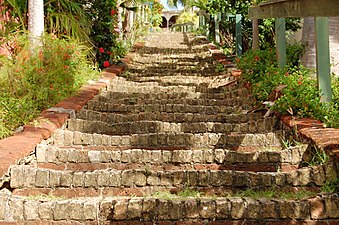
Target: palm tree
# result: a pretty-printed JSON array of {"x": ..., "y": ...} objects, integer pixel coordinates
[
  {"x": 35, "y": 21},
  {"x": 62, "y": 17}
]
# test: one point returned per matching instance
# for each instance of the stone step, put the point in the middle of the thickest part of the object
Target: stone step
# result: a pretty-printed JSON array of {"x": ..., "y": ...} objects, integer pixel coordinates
[
  {"x": 216, "y": 84},
  {"x": 144, "y": 127},
  {"x": 172, "y": 108},
  {"x": 87, "y": 114},
  {"x": 179, "y": 79},
  {"x": 102, "y": 157},
  {"x": 187, "y": 210},
  {"x": 237, "y": 101},
  {"x": 180, "y": 94},
  {"x": 24, "y": 176},
  {"x": 236, "y": 141},
  {"x": 148, "y": 87}
]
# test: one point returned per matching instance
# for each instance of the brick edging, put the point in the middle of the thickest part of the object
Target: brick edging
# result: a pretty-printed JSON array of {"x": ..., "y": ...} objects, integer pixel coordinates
[
  {"x": 21, "y": 144},
  {"x": 307, "y": 128}
]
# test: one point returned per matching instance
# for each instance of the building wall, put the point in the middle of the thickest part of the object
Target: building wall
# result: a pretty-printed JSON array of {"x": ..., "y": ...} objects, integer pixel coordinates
[{"x": 308, "y": 37}]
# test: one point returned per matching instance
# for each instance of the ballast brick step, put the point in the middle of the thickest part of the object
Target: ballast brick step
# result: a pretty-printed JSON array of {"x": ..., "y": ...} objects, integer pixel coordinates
[
  {"x": 51, "y": 154},
  {"x": 153, "y": 209},
  {"x": 143, "y": 127},
  {"x": 172, "y": 140},
  {"x": 170, "y": 108},
  {"x": 237, "y": 101},
  {"x": 26, "y": 176},
  {"x": 87, "y": 114}
]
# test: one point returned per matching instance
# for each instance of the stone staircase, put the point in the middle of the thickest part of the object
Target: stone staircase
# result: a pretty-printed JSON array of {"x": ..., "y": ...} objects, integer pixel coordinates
[{"x": 167, "y": 145}]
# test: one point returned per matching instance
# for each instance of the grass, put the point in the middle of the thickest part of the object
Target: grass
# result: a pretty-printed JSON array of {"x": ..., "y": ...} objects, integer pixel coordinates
[
  {"x": 185, "y": 193},
  {"x": 271, "y": 193},
  {"x": 331, "y": 186},
  {"x": 290, "y": 142},
  {"x": 44, "y": 197},
  {"x": 317, "y": 157},
  {"x": 274, "y": 193}
]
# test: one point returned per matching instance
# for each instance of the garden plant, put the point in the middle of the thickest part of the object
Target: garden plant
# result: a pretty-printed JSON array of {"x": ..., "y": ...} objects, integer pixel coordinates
[{"x": 81, "y": 38}]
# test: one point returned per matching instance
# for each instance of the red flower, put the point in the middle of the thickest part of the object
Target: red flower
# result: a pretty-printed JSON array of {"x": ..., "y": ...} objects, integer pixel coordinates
[
  {"x": 101, "y": 50},
  {"x": 106, "y": 64},
  {"x": 286, "y": 74},
  {"x": 300, "y": 81},
  {"x": 256, "y": 58},
  {"x": 113, "y": 12}
]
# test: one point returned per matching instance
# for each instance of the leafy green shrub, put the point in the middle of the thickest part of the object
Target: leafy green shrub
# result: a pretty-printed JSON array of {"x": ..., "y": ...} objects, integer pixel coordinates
[
  {"x": 32, "y": 81},
  {"x": 157, "y": 8},
  {"x": 186, "y": 17},
  {"x": 254, "y": 63},
  {"x": 298, "y": 94},
  {"x": 294, "y": 53}
]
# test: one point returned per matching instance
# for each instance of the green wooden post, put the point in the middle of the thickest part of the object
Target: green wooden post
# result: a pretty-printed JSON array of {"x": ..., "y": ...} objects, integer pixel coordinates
[
  {"x": 280, "y": 30},
  {"x": 204, "y": 26},
  {"x": 216, "y": 22},
  {"x": 238, "y": 36},
  {"x": 323, "y": 58}
]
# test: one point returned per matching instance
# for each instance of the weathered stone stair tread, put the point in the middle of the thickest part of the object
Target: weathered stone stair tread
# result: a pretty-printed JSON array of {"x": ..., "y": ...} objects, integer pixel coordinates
[
  {"x": 142, "y": 210},
  {"x": 120, "y": 108},
  {"x": 27, "y": 177},
  {"x": 240, "y": 101},
  {"x": 146, "y": 126},
  {"x": 167, "y": 94},
  {"x": 102, "y": 158},
  {"x": 173, "y": 140},
  {"x": 201, "y": 86},
  {"x": 92, "y": 114},
  {"x": 133, "y": 87}
]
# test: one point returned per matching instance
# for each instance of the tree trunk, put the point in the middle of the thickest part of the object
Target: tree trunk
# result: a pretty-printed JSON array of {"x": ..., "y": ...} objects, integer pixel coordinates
[
  {"x": 255, "y": 36},
  {"x": 308, "y": 38},
  {"x": 125, "y": 25},
  {"x": 35, "y": 21},
  {"x": 120, "y": 25}
]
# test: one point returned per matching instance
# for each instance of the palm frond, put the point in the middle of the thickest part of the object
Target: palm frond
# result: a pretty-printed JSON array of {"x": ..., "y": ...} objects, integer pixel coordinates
[
  {"x": 19, "y": 10},
  {"x": 66, "y": 23}
]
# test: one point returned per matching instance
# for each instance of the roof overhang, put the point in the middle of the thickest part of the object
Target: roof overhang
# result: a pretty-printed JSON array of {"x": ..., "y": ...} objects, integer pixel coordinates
[{"x": 295, "y": 8}]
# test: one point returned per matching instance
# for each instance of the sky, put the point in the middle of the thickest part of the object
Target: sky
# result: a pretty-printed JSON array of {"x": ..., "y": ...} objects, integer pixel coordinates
[{"x": 164, "y": 3}]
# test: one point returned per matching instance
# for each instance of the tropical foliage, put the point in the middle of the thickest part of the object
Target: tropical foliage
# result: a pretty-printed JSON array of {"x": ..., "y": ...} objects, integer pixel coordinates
[
  {"x": 62, "y": 17},
  {"x": 288, "y": 91},
  {"x": 31, "y": 82},
  {"x": 78, "y": 33}
]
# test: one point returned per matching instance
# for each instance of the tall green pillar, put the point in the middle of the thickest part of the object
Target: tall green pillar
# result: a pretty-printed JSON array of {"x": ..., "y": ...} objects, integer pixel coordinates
[
  {"x": 323, "y": 58},
  {"x": 280, "y": 30},
  {"x": 217, "y": 32},
  {"x": 238, "y": 36}
]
